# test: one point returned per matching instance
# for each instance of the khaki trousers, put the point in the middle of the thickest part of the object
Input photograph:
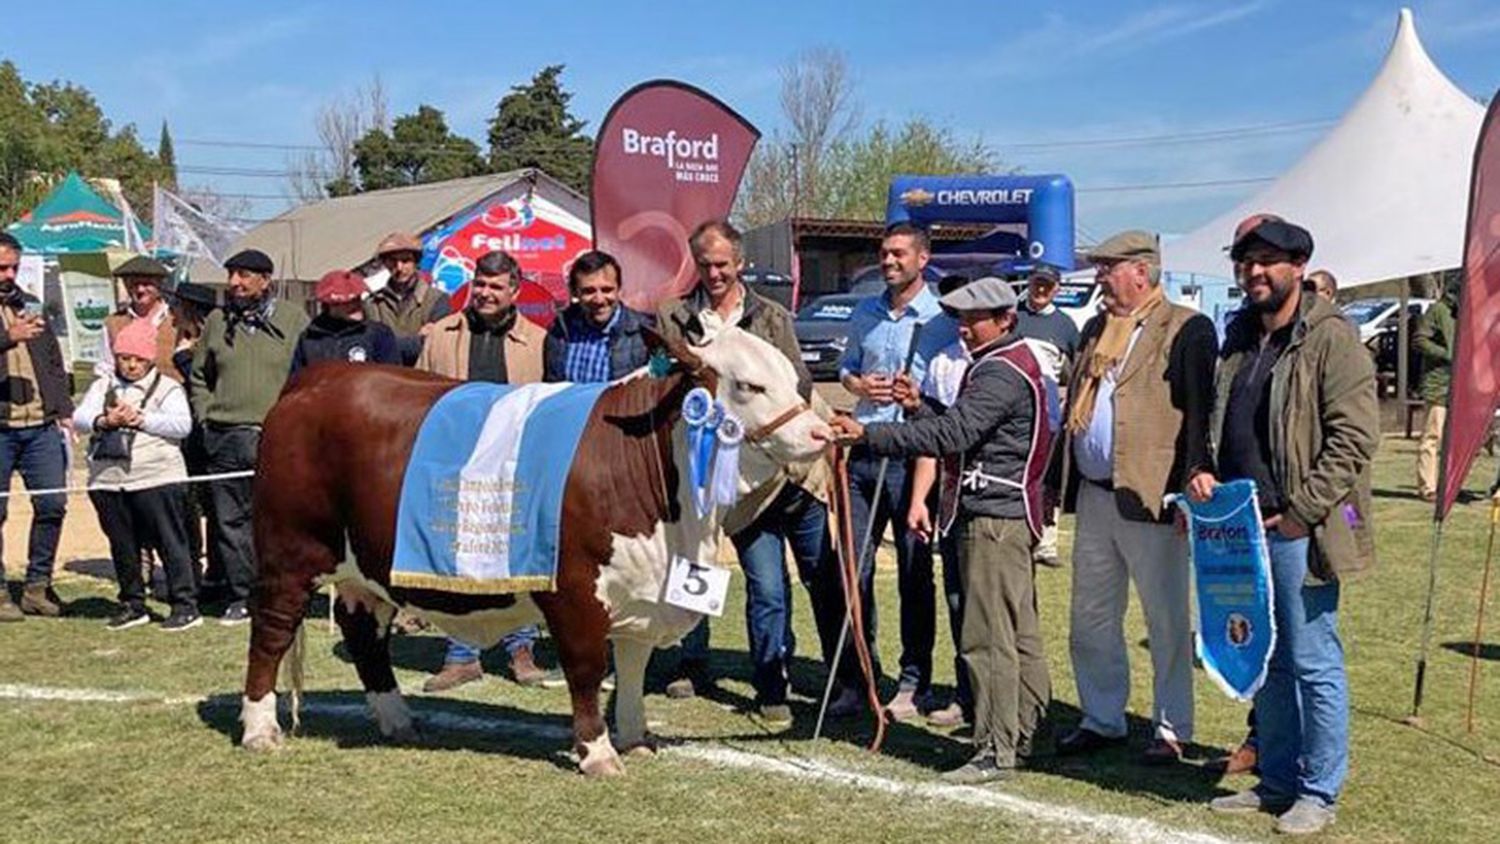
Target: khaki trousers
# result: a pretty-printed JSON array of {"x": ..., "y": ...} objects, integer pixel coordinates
[
  {"x": 1427, "y": 451},
  {"x": 1001, "y": 640}
]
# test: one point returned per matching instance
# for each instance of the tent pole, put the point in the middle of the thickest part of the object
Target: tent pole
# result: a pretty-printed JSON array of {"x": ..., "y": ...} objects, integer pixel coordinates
[
  {"x": 1437, "y": 541},
  {"x": 1403, "y": 343},
  {"x": 1484, "y": 589}
]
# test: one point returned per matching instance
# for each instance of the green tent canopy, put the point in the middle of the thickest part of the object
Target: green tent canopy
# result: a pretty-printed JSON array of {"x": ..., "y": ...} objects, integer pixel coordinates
[{"x": 73, "y": 218}]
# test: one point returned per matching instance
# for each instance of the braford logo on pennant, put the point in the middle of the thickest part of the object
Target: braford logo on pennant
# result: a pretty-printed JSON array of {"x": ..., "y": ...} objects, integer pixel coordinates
[{"x": 693, "y": 159}]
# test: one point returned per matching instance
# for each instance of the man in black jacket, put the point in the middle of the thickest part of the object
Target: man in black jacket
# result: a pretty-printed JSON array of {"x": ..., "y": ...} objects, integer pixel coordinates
[
  {"x": 341, "y": 331},
  {"x": 35, "y": 407},
  {"x": 993, "y": 441}
]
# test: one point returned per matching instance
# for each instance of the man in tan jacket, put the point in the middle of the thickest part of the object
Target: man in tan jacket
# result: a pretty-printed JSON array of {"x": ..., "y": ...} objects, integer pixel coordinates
[
  {"x": 488, "y": 340},
  {"x": 1135, "y": 429}
]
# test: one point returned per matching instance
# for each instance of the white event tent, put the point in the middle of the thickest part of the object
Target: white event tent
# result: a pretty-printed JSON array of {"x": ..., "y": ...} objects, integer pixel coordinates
[{"x": 1385, "y": 193}]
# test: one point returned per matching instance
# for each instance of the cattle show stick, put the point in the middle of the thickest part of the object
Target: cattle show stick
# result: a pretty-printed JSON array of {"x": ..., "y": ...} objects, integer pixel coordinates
[{"x": 864, "y": 549}]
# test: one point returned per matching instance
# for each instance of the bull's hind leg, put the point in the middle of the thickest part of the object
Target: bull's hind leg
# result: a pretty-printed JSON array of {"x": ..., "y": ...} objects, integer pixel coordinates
[
  {"x": 631, "y": 656},
  {"x": 365, "y": 626},
  {"x": 578, "y": 627},
  {"x": 280, "y": 600}
]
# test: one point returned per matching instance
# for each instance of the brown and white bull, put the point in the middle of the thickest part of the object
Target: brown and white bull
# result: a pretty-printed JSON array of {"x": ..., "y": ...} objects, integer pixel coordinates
[{"x": 332, "y": 459}]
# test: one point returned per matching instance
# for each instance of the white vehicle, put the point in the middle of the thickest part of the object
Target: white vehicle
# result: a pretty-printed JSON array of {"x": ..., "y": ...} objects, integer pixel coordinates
[{"x": 1372, "y": 316}]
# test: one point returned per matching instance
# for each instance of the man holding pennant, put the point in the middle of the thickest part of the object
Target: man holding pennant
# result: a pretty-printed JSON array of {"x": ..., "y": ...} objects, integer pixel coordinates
[{"x": 1296, "y": 413}]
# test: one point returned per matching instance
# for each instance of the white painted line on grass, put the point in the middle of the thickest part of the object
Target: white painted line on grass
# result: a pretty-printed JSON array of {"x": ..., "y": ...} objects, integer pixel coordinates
[{"x": 1100, "y": 824}]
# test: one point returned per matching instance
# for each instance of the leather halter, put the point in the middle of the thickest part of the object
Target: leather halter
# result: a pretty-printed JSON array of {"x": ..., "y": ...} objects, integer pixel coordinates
[{"x": 763, "y": 432}]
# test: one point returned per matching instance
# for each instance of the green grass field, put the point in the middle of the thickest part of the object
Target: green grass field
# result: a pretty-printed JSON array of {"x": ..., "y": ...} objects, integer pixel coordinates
[{"x": 158, "y": 762}]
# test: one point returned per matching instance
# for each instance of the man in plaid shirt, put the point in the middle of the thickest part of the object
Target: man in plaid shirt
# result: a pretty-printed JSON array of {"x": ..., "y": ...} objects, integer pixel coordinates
[{"x": 596, "y": 338}]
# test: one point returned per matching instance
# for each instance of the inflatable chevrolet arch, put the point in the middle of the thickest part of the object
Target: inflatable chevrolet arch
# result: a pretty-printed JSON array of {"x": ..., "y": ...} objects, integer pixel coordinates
[{"x": 1036, "y": 210}]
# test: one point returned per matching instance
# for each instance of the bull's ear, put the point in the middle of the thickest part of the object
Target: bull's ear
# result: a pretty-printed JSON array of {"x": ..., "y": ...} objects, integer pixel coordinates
[{"x": 675, "y": 348}]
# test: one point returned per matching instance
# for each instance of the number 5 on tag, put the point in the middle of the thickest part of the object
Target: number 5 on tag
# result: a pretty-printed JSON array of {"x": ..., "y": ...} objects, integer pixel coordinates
[{"x": 697, "y": 587}]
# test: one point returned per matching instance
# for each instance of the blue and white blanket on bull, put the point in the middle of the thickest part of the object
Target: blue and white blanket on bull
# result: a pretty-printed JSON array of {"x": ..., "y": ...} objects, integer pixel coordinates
[
  {"x": 1232, "y": 579},
  {"x": 481, "y": 502}
]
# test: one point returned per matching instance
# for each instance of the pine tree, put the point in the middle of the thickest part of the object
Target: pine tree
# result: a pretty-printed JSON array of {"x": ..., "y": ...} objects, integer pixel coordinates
[
  {"x": 532, "y": 127},
  {"x": 167, "y": 157}
]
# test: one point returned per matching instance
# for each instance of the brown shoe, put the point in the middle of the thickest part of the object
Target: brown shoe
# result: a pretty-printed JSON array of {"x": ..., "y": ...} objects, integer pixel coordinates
[
  {"x": 681, "y": 689},
  {"x": 8, "y": 609},
  {"x": 39, "y": 599},
  {"x": 951, "y": 715},
  {"x": 1162, "y": 751},
  {"x": 1243, "y": 760},
  {"x": 903, "y": 707},
  {"x": 524, "y": 669},
  {"x": 453, "y": 675}
]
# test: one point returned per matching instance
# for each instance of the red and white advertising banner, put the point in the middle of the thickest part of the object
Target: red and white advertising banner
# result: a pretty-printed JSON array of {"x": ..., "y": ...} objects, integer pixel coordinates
[
  {"x": 543, "y": 238},
  {"x": 1475, "y": 386},
  {"x": 668, "y": 156}
]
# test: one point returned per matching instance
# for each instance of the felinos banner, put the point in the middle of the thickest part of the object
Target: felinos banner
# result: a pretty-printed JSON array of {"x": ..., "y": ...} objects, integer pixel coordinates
[
  {"x": 1232, "y": 580},
  {"x": 668, "y": 156},
  {"x": 543, "y": 239},
  {"x": 1474, "y": 388}
]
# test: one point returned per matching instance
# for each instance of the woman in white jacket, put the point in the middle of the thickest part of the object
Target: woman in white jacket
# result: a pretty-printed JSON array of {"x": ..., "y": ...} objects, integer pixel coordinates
[{"x": 138, "y": 419}]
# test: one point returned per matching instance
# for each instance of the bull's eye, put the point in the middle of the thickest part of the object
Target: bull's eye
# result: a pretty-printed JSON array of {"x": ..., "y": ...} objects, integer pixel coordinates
[{"x": 747, "y": 387}]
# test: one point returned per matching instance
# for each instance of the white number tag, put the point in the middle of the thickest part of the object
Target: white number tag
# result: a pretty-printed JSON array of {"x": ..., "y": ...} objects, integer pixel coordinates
[{"x": 697, "y": 587}]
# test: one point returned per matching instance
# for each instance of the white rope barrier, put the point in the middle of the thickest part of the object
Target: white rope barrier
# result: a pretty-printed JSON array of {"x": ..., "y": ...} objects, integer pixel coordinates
[{"x": 75, "y": 490}]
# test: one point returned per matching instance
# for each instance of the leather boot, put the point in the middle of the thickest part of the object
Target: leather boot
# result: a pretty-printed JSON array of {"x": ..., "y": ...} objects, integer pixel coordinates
[
  {"x": 453, "y": 675},
  {"x": 8, "y": 610},
  {"x": 38, "y": 599}
]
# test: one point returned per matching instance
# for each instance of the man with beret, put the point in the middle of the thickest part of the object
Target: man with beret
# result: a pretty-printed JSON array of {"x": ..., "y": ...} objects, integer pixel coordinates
[
  {"x": 1135, "y": 429},
  {"x": 1053, "y": 338},
  {"x": 341, "y": 331},
  {"x": 35, "y": 408},
  {"x": 407, "y": 302},
  {"x": 1296, "y": 413},
  {"x": 142, "y": 278},
  {"x": 995, "y": 437},
  {"x": 239, "y": 367}
]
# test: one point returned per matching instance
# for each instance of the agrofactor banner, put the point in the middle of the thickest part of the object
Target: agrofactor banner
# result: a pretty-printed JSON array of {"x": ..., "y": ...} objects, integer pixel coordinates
[{"x": 668, "y": 156}]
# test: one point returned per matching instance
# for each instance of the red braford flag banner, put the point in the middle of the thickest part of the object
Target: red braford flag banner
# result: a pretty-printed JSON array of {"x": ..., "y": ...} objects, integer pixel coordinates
[
  {"x": 667, "y": 157},
  {"x": 1475, "y": 387}
]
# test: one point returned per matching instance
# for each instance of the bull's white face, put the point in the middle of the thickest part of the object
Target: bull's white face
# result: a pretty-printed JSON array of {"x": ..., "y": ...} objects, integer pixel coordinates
[{"x": 758, "y": 384}]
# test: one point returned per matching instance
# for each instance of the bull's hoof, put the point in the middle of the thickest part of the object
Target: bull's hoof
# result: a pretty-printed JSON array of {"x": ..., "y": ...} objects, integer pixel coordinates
[
  {"x": 602, "y": 766},
  {"x": 407, "y": 735},
  {"x": 262, "y": 742},
  {"x": 643, "y": 749}
]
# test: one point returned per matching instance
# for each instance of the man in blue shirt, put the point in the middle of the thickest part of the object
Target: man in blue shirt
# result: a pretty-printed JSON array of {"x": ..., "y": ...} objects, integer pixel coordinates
[
  {"x": 886, "y": 338},
  {"x": 596, "y": 338}
]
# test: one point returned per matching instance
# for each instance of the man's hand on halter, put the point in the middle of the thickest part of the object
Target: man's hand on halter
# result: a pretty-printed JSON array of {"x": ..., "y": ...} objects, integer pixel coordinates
[
  {"x": 904, "y": 391},
  {"x": 845, "y": 430}
]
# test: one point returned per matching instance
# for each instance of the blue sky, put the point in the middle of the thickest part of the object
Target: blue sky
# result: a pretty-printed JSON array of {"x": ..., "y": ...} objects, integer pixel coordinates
[{"x": 1022, "y": 75}]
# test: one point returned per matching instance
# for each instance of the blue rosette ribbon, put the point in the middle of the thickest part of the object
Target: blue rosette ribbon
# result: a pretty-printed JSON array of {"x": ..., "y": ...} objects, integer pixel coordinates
[
  {"x": 701, "y": 414},
  {"x": 726, "y": 475}
]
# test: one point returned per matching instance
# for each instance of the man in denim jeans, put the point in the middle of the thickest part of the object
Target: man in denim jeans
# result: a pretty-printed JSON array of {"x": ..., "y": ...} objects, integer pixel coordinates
[
  {"x": 34, "y": 408},
  {"x": 1296, "y": 412}
]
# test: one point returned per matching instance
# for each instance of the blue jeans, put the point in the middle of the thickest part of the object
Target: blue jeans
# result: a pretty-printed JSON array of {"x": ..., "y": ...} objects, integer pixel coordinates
[
  {"x": 39, "y": 453},
  {"x": 1302, "y": 711},
  {"x": 914, "y": 580},
  {"x": 521, "y": 637},
  {"x": 794, "y": 517}
]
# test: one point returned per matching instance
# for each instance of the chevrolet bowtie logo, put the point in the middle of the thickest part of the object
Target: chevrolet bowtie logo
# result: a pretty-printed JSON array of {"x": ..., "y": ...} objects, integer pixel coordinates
[{"x": 916, "y": 197}]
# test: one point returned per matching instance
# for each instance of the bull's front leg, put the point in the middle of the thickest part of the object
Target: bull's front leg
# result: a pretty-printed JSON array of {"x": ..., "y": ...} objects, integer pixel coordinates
[
  {"x": 631, "y": 657},
  {"x": 280, "y": 600},
  {"x": 579, "y": 626}
]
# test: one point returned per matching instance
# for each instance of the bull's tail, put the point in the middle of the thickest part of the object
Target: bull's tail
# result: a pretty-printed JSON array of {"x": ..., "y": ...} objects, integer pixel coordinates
[{"x": 293, "y": 674}]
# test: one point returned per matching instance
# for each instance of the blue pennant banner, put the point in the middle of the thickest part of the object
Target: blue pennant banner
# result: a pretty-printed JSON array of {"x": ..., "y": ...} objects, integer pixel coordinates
[{"x": 1232, "y": 576}]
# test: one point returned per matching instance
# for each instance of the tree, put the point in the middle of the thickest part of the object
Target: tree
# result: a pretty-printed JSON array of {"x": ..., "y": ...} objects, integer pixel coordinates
[
  {"x": 821, "y": 164},
  {"x": 532, "y": 127},
  {"x": 340, "y": 123},
  {"x": 48, "y": 129},
  {"x": 419, "y": 149},
  {"x": 167, "y": 157}
]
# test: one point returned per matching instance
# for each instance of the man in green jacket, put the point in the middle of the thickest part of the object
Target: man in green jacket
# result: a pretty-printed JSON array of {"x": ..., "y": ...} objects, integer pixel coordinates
[
  {"x": 1295, "y": 411},
  {"x": 1435, "y": 342},
  {"x": 239, "y": 367}
]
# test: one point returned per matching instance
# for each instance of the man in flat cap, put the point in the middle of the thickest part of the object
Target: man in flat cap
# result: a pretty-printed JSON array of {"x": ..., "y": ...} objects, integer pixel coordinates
[
  {"x": 1135, "y": 429},
  {"x": 994, "y": 442},
  {"x": 1296, "y": 413},
  {"x": 35, "y": 407},
  {"x": 407, "y": 302},
  {"x": 239, "y": 367},
  {"x": 1053, "y": 337},
  {"x": 142, "y": 278}
]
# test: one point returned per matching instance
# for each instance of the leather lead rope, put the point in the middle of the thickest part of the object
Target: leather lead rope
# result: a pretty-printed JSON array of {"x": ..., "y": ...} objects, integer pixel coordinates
[{"x": 849, "y": 564}]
